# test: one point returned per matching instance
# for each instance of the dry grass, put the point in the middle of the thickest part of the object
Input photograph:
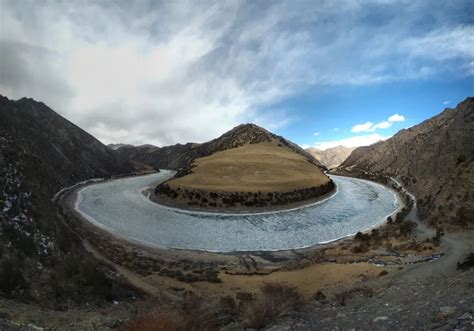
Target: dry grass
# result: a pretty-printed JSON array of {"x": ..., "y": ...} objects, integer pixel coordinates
[
  {"x": 308, "y": 280},
  {"x": 275, "y": 301},
  {"x": 193, "y": 313},
  {"x": 264, "y": 167}
]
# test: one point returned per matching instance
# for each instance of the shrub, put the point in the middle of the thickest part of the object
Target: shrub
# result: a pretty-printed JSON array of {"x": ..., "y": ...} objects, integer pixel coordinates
[
  {"x": 362, "y": 236},
  {"x": 193, "y": 313},
  {"x": 275, "y": 301}
]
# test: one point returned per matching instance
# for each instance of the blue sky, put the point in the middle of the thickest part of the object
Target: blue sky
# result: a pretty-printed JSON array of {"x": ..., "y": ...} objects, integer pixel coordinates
[
  {"x": 346, "y": 107},
  {"x": 166, "y": 72}
]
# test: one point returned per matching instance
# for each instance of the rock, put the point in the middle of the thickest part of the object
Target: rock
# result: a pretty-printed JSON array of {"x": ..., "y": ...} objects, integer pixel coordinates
[
  {"x": 380, "y": 319},
  {"x": 465, "y": 316},
  {"x": 446, "y": 312}
]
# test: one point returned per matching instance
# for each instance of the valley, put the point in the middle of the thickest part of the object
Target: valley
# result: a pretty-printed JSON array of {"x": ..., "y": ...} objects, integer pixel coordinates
[{"x": 126, "y": 250}]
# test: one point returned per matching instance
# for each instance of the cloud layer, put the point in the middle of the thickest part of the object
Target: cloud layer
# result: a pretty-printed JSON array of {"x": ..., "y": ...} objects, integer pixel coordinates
[
  {"x": 178, "y": 71},
  {"x": 371, "y": 127}
]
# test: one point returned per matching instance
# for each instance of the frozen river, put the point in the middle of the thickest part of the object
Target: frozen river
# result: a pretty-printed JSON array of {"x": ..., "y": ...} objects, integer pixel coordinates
[{"x": 119, "y": 206}]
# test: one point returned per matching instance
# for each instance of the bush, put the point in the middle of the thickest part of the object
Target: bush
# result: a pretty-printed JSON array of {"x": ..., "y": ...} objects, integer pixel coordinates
[
  {"x": 275, "y": 301},
  {"x": 362, "y": 236},
  {"x": 193, "y": 313}
]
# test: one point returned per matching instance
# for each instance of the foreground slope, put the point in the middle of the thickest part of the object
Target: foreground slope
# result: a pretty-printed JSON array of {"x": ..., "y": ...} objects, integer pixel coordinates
[
  {"x": 331, "y": 157},
  {"x": 434, "y": 160},
  {"x": 247, "y": 166},
  {"x": 40, "y": 153}
]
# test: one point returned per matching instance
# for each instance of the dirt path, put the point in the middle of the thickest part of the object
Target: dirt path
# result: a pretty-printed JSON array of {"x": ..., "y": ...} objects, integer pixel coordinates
[{"x": 456, "y": 247}]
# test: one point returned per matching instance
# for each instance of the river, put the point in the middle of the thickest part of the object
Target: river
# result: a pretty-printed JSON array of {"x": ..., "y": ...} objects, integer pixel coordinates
[{"x": 119, "y": 207}]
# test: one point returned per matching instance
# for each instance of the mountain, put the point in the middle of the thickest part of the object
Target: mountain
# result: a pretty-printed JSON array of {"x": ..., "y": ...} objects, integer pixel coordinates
[
  {"x": 63, "y": 152},
  {"x": 245, "y": 167},
  {"x": 181, "y": 156},
  {"x": 168, "y": 157},
  {"x": 41, "y": 259},
  {"x": 117, "y": 146},
  {"x": 331, "y": 157},
  {"x": 434, "y": 160}
]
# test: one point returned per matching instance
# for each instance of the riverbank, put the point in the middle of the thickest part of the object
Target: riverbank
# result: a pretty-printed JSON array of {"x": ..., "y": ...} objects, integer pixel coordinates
[{"x": 239, "y": 202}]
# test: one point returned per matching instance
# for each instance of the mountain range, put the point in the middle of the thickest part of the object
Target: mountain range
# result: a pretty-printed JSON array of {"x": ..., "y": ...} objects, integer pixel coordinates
[{"x": 331, "y": 157}]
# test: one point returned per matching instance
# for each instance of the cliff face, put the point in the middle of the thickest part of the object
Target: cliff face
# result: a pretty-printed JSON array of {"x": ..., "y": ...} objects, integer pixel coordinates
[
  {"x": 434, "y": 160},
  {"x": 41, "y": 152},
  {"x": 181, "y": 156},
  {"x": 331, "y": 157}
]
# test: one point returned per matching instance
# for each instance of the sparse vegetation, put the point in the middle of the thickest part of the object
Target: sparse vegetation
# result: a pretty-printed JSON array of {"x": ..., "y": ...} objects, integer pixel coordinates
[{"x": 275, "y": 301}]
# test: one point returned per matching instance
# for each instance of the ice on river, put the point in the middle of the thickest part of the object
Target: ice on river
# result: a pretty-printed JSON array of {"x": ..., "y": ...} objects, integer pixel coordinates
[{"x": 118, "y": 206}]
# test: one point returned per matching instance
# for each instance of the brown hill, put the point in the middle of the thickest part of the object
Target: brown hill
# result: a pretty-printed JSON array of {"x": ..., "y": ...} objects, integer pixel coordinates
[
  {"x": 331, "y": 157},
  {"x": 246, "y": 167},
  {"x": 434, "y": 160},
  {"x": 181, "y": 156}
]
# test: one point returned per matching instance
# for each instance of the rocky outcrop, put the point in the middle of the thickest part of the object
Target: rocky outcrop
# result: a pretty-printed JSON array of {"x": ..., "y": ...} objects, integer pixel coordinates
[
  {"x": 433, "y": 160},
  {"x": 331, "y": 157}
]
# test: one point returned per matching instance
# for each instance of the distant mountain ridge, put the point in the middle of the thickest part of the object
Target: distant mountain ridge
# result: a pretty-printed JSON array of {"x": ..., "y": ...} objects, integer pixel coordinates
[
  {"x": 331, "y": 157},
  {"x": 181, "y": 156},
  {"x": 434, "y": 160}
]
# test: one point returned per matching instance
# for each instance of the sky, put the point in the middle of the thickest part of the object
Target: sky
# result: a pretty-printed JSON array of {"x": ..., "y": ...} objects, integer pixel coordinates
[{"x": 320, "y": 73}]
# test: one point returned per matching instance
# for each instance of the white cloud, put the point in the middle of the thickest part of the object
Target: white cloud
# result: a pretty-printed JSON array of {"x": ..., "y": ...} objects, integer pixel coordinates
[
  {"x": 305, "y": 146},
  {"x": 317, "y": 133},
  {"x": 366, "y": 127},
  {"x": 447, "y": 102},
  {"x": 396, "y": 118},
  {"x": 356, "y": 141},
  {"x": 383, "y": 125},
  {"x": 371, "y": 127}
]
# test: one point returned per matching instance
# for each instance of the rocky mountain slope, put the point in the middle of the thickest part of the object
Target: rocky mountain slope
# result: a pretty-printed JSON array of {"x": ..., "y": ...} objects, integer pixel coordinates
[
  {"x": 331, "y": 157},
  {"x": 434, "y": 160},
  {"x": 41, "y": 260},
  {"x": 181, "y": 156}
]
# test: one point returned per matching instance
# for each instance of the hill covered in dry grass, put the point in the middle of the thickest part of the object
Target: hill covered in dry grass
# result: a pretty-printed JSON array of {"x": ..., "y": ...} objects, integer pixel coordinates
[{"x": 247, "y": 167}]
